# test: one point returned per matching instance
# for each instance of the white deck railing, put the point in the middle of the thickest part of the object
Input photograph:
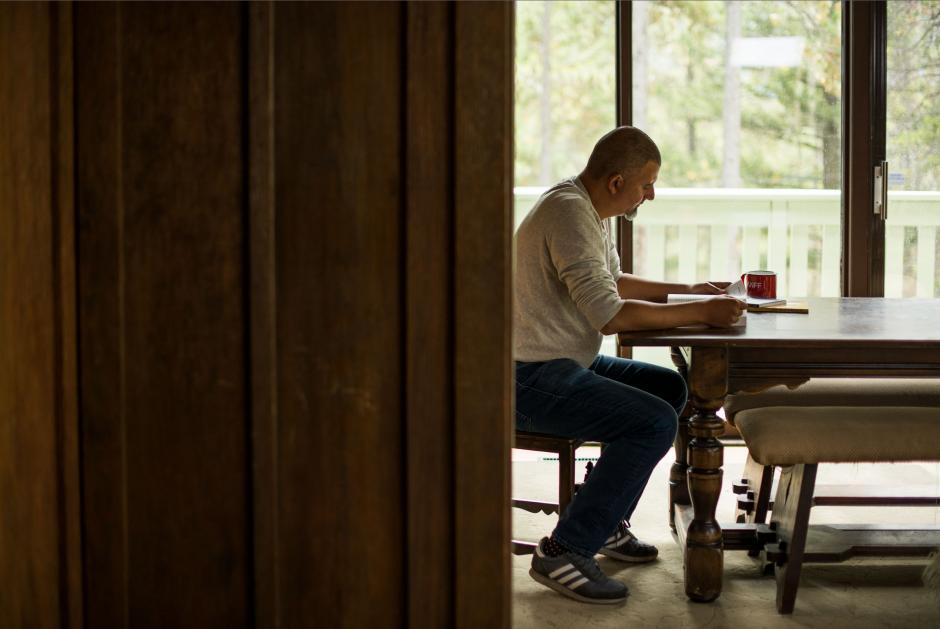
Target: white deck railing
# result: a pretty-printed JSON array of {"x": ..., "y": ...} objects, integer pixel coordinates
[{"x": 698, "y": 234}]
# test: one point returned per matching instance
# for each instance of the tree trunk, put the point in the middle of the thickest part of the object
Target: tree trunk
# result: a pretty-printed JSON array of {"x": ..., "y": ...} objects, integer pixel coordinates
[
  {"x": 832, "y": 147},
  {"x": 690, "y": 120},
  {"x": 640, "y": 62},
  {"x": 731, "y": 162},
  {"x": 545, "y": 99}
]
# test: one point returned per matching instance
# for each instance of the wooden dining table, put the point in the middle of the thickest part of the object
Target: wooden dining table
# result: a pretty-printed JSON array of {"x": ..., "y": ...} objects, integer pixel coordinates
[{"x": 838, "y": 337}]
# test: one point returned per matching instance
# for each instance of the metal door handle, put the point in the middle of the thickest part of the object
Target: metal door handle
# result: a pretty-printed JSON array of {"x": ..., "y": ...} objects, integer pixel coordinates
[{"x": 880, "y": 193}]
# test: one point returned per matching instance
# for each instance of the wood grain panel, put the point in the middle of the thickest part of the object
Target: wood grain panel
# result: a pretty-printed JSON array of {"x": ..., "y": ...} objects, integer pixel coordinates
[
  {"x": 183, "y": 241},
  {"x": 162, "y": 207},
  {"x": 262, "y": 309},
  {"x": 97, "y": 137},
  {"x": 430, "y": 313},
  {"x": 31, "y": 565},
  {"x": 66, "y": 382},
  {"x": 338, "y": 190},
  {"x": 483, "y": 263}
]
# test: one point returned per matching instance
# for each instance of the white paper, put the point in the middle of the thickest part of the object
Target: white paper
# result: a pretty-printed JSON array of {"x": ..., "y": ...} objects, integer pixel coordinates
[{"x": 739, "y": 290}]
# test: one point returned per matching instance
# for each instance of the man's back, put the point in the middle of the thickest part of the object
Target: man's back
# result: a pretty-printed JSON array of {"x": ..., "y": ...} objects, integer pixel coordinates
[{"x": 565, "y": 288}]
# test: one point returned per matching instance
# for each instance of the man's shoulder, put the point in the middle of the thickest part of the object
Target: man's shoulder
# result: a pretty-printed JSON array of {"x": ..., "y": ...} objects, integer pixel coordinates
[
  {"x": 565, "y": 191},
  {"x": 564, "y": 202}
]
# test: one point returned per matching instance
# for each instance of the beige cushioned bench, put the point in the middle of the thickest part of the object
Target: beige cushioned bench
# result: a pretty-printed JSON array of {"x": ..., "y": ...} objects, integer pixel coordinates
[
  {"x": 841, "y": 392},
  {"x": 755, "y": 485},
  {"x": 799, "y": 438},
  {"x": 778, "y": 435}
]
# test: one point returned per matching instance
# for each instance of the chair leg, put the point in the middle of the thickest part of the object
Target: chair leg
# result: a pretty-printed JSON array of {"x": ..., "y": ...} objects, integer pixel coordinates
[
  {"x": 759, "y": 481},
  {"x": 565, "y": 478},
  {"x": 762, "y": 491},
  {"x": 791, "y": 515},
  {"x": 756, "y": 485}
]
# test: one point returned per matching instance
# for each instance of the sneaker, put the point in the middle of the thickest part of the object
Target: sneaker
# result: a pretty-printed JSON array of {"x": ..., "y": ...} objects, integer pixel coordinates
[
  {"x": 624, "y": 546},
  {"x": 576, "y": 576}
]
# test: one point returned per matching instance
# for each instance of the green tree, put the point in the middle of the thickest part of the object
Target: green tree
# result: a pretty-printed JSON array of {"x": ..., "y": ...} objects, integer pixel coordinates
[
  {"x": 560, "y": 114},
  {"x": 913, "y": 103}
]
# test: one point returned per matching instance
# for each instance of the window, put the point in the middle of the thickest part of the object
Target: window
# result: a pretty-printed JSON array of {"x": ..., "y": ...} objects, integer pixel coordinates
[
  {"x": 744, "y": 99},
  {"x": 913, "y": 149}
]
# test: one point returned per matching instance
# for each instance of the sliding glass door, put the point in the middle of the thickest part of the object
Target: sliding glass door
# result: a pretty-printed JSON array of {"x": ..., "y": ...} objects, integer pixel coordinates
[
  {"x": 772, "y": 117},
  {"x": 744, "y": 99},
  {"x": 912, "y": 149}
]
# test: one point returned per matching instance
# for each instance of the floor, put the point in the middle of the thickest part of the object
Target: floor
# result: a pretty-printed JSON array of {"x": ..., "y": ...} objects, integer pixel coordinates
[{"x": 857, "y": 594}]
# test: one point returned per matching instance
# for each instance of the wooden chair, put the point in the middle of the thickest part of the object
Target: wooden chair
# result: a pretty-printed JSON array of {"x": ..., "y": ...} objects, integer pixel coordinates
[
  {"x": 797, "y": 439},
  {"x": 565, "y": 449}
]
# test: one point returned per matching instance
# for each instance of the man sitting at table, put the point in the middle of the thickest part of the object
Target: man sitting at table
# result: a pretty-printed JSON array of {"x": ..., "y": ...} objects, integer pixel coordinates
[{"x": 569, "y": 292}]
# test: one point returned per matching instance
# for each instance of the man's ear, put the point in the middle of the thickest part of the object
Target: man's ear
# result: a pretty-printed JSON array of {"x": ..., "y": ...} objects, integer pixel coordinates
[{"x": 614, "y": 184}]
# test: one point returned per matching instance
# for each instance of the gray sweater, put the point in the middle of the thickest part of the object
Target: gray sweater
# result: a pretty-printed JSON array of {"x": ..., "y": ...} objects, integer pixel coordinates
[{"x": 565, "y": 278}]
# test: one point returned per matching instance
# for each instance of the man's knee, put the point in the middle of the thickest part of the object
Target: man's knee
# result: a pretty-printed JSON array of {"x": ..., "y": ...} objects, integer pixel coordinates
[
  {"x": 658, "y": 427},
  {"x": 678, "y": 391},
  {"x": 667, "y": 425}
]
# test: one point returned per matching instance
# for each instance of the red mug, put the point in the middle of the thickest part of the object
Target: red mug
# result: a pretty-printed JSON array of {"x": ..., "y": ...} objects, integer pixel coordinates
[{"x": 760, "y": 284}]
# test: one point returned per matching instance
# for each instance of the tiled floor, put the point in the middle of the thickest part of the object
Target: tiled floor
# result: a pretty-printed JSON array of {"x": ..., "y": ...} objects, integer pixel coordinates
[{"x": 856, "y": 594}]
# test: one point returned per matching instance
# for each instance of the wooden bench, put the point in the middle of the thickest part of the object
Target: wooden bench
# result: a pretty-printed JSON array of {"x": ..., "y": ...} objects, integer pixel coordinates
[
  {"x": 797, "y": 439},
  {"x": 755, "y": 485}
]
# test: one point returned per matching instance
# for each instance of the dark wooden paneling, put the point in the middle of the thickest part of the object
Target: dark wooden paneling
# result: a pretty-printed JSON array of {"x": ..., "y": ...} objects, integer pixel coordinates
[
  {"x": 339, "y": 215},
  {"x": 38, "y": 557},
  {"x": 483, "y": 263},
  {"x": 162, "y": 208},
  {"x": 292, "y": 260},
  {"x": 430, "y": 313},
  {"x": 63, "y": 189},
  {"x": 262, "y": 309},
  {"x": 184, "y": 329},
  {"x": 101, "y": 380}
]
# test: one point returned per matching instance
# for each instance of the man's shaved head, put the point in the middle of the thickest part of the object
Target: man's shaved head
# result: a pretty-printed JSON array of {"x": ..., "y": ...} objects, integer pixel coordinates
[{"x": 623, "y": 150}]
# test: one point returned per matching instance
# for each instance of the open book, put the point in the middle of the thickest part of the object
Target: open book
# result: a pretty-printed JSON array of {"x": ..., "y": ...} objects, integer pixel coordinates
[
  {"x": 738, "y": 290},
  {"x": 681, "y": 298}
]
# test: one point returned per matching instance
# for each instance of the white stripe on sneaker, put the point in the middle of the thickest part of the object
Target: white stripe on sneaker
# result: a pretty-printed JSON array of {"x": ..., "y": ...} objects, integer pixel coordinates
[
  {"x": 554, "y": 574},
  {"x": 577, "y": 583},
  {"x": 571, "y": 576},
  {"x": 610, "y": 539}
]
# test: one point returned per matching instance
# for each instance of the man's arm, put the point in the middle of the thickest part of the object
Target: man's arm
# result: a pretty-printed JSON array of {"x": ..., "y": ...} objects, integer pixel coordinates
[
  {"x": 720, "y": 311},
  {"x": 634, "y": 287}
]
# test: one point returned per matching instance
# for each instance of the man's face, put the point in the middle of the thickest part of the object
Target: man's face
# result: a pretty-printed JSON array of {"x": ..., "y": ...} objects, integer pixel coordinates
[{"x": 630, "y": 190}]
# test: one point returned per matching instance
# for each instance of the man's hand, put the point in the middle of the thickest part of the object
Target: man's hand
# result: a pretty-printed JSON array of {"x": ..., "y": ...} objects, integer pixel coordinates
[
  {"x": 709, "y": 288},
  {"x": 722, "y": 311}
]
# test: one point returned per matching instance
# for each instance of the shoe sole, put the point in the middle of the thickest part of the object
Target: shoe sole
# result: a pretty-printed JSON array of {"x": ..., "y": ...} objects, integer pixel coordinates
[
  {"x": 613, "y": 554},
  {"x": 564, "y": 591}
]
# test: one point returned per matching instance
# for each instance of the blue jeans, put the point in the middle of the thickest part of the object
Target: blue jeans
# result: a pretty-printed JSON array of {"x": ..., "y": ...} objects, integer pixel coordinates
[{"x": 630, "y": 406}]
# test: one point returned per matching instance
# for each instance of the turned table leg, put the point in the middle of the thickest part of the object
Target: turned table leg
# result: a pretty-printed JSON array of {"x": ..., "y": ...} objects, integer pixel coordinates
[
  {"x": 708, "y": 385},
  {"x": 678, "y": 482}
]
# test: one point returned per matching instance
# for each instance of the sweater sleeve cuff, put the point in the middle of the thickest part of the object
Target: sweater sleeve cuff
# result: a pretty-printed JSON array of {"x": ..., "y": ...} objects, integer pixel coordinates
[{"x": 602, "y": 313}]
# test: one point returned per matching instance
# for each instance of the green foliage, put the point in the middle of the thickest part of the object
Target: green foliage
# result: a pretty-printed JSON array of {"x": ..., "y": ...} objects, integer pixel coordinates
[
  {"x": 790, "y": 129},
  {"x": 581, "y": 56},
  {"x": 913, "y": 104},
  {"x": 790, "y": 116}
]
